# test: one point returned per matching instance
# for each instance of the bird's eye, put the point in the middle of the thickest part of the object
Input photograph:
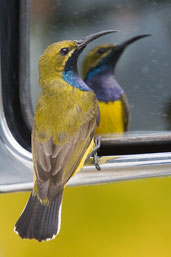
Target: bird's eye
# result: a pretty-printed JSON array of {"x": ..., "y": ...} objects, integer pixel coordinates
[
  {"x": 64, "y": 51},
  {"x": 101, "y": 50}
]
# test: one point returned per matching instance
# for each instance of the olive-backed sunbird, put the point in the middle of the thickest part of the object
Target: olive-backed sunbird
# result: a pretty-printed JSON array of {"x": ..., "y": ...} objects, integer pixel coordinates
[
  {"x": 65, "y": 120},
  {"x": 98, "y": 73}
]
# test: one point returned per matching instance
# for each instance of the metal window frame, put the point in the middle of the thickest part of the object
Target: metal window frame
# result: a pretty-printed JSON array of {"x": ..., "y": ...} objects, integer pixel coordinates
[
  {"x": 15, "y": 88},
  {"x": 130, "y": 157}
]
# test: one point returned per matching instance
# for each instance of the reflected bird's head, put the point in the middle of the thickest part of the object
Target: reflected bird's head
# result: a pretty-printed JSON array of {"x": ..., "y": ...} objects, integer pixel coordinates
[{"x": 105, "y": 57}]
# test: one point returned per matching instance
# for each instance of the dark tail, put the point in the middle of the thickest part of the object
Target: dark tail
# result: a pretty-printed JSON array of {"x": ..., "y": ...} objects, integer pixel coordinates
[{"x": 38, "y": 221}]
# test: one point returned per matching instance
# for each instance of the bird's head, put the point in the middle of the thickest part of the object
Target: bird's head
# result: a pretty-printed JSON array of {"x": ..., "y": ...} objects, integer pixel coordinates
[
  {"x": 106, "y": 56},
  {"x": 63, "y": 55}
]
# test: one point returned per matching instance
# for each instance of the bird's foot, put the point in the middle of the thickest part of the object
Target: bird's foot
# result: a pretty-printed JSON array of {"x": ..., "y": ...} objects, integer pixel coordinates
[{"x": 93, "y": 154}]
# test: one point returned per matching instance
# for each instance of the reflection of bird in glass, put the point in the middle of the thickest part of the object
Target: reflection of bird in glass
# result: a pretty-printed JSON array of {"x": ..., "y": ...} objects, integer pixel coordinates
[
  {"x": 65, "y": 119},
  {"x": 98, "y": 73}
]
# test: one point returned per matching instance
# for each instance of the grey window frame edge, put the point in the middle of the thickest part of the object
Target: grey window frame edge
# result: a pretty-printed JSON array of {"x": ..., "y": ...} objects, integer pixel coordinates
[{"x": 114, "y": 168}]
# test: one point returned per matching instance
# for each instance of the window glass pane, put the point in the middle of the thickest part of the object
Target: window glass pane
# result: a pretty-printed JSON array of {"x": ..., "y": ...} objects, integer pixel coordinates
[{"x": 144, "y": 69}]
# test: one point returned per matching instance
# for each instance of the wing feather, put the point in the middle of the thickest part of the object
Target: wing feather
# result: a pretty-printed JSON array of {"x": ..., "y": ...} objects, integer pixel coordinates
[{"x": 56, "y": 163}]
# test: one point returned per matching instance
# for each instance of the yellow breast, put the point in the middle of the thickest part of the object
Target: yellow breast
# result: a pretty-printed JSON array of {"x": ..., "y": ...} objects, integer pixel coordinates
[{"x": 111, "y": 118}]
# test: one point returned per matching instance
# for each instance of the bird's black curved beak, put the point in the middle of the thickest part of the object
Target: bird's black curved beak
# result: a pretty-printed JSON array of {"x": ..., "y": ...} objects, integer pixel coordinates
[
  {"x": 119, "y": 49},
  {"x": 83, "y": 42}
]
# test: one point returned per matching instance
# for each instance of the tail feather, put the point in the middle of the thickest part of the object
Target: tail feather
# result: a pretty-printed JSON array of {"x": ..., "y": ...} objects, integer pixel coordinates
[{"x": 38, "y": 221}]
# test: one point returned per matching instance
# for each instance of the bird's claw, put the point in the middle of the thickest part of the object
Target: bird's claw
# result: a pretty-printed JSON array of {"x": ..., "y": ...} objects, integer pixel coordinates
[{"x": 93, "y": 154}]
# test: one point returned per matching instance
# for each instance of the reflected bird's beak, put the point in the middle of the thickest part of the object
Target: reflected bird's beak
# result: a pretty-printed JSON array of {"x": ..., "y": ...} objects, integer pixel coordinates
[
  {"x": 124, "y": 44},
  {"x": 119, "y": 49}
]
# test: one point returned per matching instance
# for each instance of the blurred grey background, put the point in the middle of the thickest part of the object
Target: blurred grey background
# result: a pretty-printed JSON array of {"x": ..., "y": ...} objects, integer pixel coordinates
[{"x": 144, "y": 69}]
